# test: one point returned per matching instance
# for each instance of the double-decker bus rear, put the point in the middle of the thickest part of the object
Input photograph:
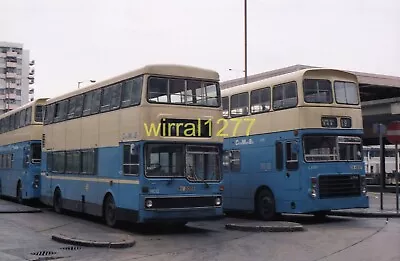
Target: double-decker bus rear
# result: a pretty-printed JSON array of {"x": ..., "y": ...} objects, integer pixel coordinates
[{"x": 20, "y": 151}]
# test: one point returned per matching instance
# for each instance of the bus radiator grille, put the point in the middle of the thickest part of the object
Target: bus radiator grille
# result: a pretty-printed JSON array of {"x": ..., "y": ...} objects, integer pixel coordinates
[
  {"x": 182, "y": 202},
  {"x": 339, "y": 186}
]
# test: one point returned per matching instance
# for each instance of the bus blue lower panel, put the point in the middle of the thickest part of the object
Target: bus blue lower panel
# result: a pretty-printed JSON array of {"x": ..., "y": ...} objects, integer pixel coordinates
[
  {"x": 181, "y": 215},
  {"x": 257, "y": 169},
  {"x": 14, "y": 170},
  {"x": 315, "y": 205},
  {"x": 86, "y": 193}
]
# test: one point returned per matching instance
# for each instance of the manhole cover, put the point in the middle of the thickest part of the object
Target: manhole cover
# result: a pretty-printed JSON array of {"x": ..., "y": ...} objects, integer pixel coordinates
[
  {"x": 71, "y": 248},
  {"x": 44, "y": 253}
]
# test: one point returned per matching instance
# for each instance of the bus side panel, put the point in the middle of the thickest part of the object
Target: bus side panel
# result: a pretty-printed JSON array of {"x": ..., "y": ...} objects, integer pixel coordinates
[
  {"x": 73, "y": 134},
  {"x": 257, "y": 169},
  {"x": 46, "y": 190},
  {"x": 90, "y": 132},
  {"x": 6, "y": 172},
  {"x": 128, "y": 187},
  {"x": 11, "y": 176},
  {"x": 108, "y": 169},
  {"x": 58, "y": 136}
]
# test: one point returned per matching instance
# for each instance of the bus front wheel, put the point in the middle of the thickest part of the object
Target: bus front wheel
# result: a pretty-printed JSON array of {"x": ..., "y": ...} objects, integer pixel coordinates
[
  {"x": 265, "y": 205},
  {"x": 110, "y": 211}
]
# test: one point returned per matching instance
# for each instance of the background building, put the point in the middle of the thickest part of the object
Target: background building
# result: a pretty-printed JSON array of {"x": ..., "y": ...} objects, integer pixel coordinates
[{"x": 16, "y": 76}]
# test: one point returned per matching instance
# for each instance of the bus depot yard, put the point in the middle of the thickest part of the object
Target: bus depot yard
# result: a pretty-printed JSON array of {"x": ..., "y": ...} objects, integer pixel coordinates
[
  {"x": 87, "y": 152},
  {"x": 27, "y": 235}
]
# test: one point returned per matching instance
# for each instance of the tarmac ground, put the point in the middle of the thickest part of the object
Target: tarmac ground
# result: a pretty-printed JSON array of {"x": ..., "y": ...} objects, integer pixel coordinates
[{"x": 28, "y": 236}]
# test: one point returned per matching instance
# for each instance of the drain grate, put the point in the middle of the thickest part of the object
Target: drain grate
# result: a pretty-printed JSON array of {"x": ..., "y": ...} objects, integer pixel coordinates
[
  {"x": 72, "y": 248},
  {"x": 43, "y": 253}
]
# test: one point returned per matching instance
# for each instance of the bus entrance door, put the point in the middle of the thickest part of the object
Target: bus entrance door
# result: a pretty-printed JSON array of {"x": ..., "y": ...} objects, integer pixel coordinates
[{"x": 292, "y": 173}]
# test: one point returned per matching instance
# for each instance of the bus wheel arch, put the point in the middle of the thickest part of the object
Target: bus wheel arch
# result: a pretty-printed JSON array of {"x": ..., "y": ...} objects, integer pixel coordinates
[
  {"x": 109, "y": 210},
  {"x": 57, "y": 200},
  {"x": 264, "y": 203}
]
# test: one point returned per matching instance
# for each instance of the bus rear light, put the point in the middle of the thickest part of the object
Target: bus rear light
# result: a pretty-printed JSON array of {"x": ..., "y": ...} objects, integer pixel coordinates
[{"x": 221, "y": 188}]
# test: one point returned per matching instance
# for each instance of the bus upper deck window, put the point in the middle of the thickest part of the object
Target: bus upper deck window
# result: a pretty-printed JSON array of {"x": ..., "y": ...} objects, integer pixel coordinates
[
  {"x": 39, "y": 113},
  {"x": 346, "y": 93},
  {"x": 225, "y": 107},
  {"x": 182, "y": 91},
  {"x": 317, "y": 91}
]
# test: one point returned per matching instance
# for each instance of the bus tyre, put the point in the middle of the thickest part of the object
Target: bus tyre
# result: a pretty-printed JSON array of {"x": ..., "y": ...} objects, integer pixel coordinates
[
  {"x": 19, "y": 192},
  {"x": 57, "y": 201},
  {"x": 265, "y": 205},
  {"x": 110, "y": 211}
]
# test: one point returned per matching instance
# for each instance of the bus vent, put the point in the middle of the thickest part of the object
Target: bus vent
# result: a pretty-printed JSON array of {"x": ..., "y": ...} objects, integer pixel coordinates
[
  {"x": 43, "y": 140},
  {"x": 339, "y": 186}
]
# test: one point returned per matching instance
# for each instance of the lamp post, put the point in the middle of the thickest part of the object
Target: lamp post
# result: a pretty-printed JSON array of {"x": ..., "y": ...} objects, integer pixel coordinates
[
  {"x": 245, "y": 41},
  {"x": 79, "y": 83}
]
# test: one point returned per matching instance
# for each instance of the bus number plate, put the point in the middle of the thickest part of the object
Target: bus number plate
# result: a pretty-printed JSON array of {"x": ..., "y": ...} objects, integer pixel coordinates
[{"x": 186, "y": 188}]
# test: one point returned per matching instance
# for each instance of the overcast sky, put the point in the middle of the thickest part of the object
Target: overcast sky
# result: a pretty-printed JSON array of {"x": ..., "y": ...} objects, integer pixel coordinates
[{"x": 73, "y": 40}]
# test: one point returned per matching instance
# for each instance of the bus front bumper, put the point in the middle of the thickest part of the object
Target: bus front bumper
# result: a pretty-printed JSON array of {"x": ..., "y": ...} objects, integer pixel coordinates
[
  {"x": 181, "y": 215},
  {"x": 310, "y": 205}
]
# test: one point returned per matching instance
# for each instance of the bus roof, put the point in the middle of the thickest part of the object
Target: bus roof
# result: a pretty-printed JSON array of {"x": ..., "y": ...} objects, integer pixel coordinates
[
  {"x": 153, "y": 69},
  {"x": 284, "y": 78},
  {"x": 27, "y": 105}
]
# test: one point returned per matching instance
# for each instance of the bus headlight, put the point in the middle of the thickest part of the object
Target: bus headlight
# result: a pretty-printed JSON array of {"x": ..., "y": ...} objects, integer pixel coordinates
[
  {"x": 148, "y": 203},
  {"x": 218, "y": 201},
  {"x": 313, "y": 188},
  {"x": 313, "y": 193},
  {"x": 36, "y": 181}
]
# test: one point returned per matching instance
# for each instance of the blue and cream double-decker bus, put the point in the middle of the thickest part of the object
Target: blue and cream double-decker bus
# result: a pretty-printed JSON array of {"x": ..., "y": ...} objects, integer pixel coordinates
[
  {"x": 303, "y": 152},
  {"x": 20, "y": 151},
  {"x": 137, "y": 147}
]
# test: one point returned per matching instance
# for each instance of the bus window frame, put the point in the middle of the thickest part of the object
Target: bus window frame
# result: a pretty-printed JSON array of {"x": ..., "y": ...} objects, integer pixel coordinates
[
  {"x": 186, "y": 79},
  {"x": 336, "y": 145},
  {"x": 229, "y": 106},
  {"x": 247, "y": 108},
  {"x": 270, "y": 100},
  {"x": 291, "y": 165},
  {"x": 333, "y": 93},
  {"x": 279, "y": 155},
  {"x": 285, "y": 84},
  {"x": 357, "y": 89},
  {"x": 85, "y": 96},
  {"x": 137, "y": 152},
  {"x": 235, "y": 163}
]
